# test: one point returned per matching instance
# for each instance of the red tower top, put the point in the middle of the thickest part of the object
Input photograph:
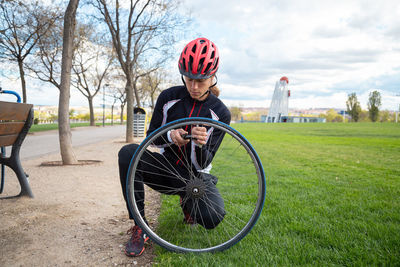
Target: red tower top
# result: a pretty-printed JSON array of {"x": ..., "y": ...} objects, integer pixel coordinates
[{"x": 285, "y": 79}]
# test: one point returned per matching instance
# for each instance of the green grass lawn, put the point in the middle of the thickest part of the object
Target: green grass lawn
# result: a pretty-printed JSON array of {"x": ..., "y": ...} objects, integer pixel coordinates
[
  {"x": 333, "y": 198},
  {"x": 54, "y": 126}
]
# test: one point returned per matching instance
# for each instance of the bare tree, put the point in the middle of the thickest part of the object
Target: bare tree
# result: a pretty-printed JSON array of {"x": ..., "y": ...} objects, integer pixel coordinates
[
  {"x": 150, "y": 85},
  {"x": 92, "y": 62},
  {"x": 114, "y": 93},
  {"x": 112, "y": 110},
  {"x": 139, "y": 75},
  {"x": 147, "y": 25},
  {"x": 21, "y": 26},
  {"x": 64, "y": 129},
  {"x": 46, "y": 61},
  {"x": 122, "y": 100},
  {"x": 116, "y": 90}
]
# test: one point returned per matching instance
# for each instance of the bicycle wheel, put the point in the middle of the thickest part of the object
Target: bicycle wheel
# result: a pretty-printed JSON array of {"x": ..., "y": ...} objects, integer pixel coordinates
[{"x": 240, "y": 182}]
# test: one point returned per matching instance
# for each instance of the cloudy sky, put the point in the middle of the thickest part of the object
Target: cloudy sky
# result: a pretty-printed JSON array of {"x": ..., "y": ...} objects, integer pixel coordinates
[{"x": 327, "y": 49}]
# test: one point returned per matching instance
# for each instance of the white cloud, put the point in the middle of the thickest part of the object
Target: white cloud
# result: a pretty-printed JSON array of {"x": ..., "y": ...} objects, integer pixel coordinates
[
  {"x": 335, "y": 100},
  {"x": 327, "y": 49},
  {"x": 317, "y": 44}
]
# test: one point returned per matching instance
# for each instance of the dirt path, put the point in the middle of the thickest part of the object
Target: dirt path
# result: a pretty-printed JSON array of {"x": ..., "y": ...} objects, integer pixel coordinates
[{"x": 77, "y": 218}]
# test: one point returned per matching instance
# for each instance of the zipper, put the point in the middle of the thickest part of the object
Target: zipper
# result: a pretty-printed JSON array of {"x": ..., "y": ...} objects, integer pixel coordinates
[{"x": 190, "y": 115}]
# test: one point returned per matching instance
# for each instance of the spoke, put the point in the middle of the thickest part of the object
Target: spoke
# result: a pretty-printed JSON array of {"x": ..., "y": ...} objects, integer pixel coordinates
[
  {"x": 177, "y": 177},
  {"x": 227, "y": 221},
  {"x": 177, "y": 156},
  {"x": 172, "y": 167},
  {"x": 210, "y": 141},
  {"x": 172, "y": 189},
  {"x": 171, "y": 233},
  {"x": 201, "y": 217},
  {"x": 223, "y": 221},
  {"x": 184, "y": 153},
  {"x": 239, "y": 184}
]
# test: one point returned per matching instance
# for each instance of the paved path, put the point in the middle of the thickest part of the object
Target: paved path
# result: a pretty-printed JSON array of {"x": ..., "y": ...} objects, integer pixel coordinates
[{"x": 41, "y": 143}]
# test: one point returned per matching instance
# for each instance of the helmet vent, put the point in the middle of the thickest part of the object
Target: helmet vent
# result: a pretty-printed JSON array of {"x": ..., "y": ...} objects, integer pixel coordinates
[
  {"x": 199, "y": 59},
  {"x": 190, "y": 63},
  {"x": 184, "y": 63},
  {"x": 208, "y": 67},
  {"x": 216, "y": 64},
  {"x": 201, "y": 62}
]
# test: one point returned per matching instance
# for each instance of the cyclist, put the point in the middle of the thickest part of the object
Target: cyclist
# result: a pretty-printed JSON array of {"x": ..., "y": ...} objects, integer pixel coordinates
[{"x": 198, "y": 97}]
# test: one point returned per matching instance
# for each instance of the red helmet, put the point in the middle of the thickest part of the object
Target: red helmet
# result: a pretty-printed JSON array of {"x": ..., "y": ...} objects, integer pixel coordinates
[{"x": 199, "y": 59}]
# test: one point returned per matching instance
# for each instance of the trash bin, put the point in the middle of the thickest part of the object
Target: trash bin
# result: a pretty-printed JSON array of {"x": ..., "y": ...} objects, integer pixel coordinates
[{"x": 139, "y": 122}]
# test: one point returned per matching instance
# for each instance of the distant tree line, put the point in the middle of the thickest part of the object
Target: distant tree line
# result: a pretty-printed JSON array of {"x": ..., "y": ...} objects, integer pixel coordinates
[
  {"x": 333, "y": 116},
  {"x": 373, "y": 113},
  {"x": 354, "y": 112}
]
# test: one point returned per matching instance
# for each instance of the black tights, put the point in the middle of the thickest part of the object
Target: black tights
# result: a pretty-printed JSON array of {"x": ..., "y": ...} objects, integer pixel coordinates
[{"x": 210, "y": 209}]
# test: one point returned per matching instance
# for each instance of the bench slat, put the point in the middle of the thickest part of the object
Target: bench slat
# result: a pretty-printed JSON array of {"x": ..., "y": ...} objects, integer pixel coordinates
[
  {"x": 7, "y": 128},
  {"x": 14, "y": 111},
  {"x": 8, "y": 140}
]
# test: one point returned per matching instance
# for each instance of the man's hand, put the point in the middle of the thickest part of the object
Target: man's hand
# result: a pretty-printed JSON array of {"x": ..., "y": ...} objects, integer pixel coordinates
[
  {"x": 199, "y": 135},
  {"x": 177, "y": 139}
]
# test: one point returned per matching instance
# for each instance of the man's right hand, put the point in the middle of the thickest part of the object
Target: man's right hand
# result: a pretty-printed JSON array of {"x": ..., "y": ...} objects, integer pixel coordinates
[{"x": 177, "y": 139}]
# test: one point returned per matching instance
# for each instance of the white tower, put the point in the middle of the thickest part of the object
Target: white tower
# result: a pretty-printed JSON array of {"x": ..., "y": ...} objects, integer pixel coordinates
[{"x": 280, "y": 101}]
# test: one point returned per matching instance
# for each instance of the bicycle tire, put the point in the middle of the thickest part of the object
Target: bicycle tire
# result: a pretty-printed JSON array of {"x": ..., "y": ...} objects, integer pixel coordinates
[{"x": 248, "y": 201}]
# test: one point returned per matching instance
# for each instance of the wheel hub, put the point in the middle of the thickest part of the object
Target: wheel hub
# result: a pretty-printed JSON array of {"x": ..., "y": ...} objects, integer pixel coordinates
[{"x": 195, "y": 188}]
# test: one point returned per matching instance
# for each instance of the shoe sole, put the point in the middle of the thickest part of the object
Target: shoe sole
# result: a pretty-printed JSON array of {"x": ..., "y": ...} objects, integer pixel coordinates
[{"x": 140, "y": 253}]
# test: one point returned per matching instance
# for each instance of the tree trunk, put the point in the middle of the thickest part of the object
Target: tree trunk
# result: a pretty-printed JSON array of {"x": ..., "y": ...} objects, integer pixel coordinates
[
  {"x": 136, "y": 95},
  {"x": 129, "y": 112},
  {"x": 64, "y": 129},
  {"x": 22, "y": 76},
  {"x": 91, "y": 112},
  {"x": 122, "y": 113},
  {"x": 152, "y": 101},
  {"x": 112, "y": 114}
]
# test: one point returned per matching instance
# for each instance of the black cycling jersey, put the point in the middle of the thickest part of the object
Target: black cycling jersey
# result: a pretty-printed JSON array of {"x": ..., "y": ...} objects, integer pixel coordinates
[{"x": 175, "y": 103}]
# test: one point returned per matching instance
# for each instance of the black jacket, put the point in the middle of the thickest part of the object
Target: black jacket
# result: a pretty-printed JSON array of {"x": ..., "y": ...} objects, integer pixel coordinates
[{"x": 175, "y": 103}]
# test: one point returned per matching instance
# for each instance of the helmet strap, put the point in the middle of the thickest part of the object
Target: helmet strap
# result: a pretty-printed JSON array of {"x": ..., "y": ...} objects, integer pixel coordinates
[
  {"x": 206, "y": 92},
  {"x": 216, "y": 81},
  {"x": 183, "y": 80}
]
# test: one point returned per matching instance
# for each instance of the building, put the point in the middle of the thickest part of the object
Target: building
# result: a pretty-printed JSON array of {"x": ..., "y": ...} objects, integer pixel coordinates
[
  {"x": 301, "y": 119},
  {"x": 280, "y": 101},
  {"x": 279, "y": 109}
]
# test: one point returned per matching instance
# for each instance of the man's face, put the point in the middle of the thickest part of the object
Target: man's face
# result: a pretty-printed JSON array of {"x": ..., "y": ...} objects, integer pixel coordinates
[{"x": 198, "y": 88}]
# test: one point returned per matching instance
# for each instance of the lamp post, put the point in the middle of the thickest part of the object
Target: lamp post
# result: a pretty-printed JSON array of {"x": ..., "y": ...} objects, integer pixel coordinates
[{"x": 104, "y": 101}]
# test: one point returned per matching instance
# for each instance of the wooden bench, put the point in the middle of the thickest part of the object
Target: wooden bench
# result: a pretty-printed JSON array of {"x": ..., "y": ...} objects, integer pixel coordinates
[{"x": 15, "y": 121}]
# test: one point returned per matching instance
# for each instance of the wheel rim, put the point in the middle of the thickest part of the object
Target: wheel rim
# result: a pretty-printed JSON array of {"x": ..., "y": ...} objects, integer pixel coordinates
[{"x": 241, "y": 183}]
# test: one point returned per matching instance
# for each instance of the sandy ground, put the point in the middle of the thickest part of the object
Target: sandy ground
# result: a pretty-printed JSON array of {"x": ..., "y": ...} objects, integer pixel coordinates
[{"x": 77, "y": 218}]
